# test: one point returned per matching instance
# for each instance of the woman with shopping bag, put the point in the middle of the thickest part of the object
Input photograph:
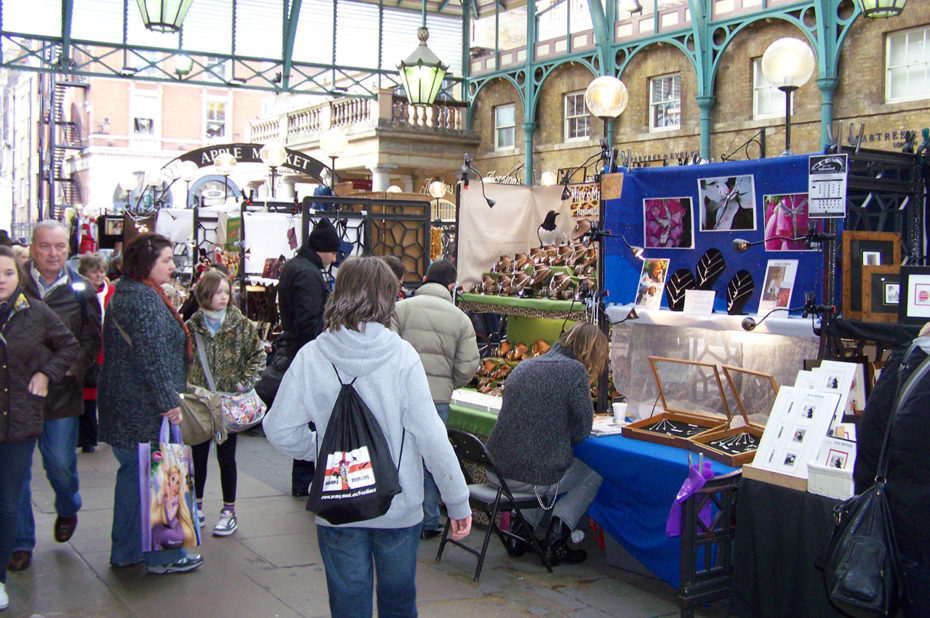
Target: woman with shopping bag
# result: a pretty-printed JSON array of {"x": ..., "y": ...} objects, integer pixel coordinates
[
  {"x": 147, "y": 349},
  {"x": 229, "y": 357},
  {"x": 35, "y": 348}
]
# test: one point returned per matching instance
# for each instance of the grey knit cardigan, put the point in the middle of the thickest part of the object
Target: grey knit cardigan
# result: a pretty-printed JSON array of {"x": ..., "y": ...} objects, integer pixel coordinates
[
  {"x": 140, "y": 380},
  {"x": 546, "y": 410}
]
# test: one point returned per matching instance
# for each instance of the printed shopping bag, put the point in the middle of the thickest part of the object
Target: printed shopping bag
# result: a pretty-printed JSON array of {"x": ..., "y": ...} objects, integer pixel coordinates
[
  {"x": 166, "y": 492},
  {"x": 243, "y": 410}
]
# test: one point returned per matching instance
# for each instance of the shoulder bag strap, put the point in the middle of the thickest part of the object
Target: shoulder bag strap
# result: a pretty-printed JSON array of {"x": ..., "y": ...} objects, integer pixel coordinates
[
  {"x": 202, "y": 354},
  {"x": 904, "y": 390},
  {"x": 122, "y": 331}
]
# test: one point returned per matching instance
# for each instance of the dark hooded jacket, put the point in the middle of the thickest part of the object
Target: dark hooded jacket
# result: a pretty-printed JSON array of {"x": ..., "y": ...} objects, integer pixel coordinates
[{"x": 32, "y": 339}]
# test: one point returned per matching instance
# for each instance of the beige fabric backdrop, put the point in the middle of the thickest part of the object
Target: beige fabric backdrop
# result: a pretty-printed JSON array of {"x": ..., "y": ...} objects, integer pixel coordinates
[{"x": 485, "y": 234}]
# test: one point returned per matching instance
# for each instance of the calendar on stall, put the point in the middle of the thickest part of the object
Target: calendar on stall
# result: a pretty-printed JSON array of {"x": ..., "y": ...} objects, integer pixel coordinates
[{"x": 826, "y": 185}]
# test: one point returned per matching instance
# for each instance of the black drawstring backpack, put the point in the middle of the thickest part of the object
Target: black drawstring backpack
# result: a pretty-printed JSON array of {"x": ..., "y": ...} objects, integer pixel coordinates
[{"x": 355, "y": 478}]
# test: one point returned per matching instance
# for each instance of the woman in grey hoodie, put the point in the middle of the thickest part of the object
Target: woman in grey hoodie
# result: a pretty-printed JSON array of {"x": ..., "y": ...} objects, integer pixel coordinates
[{"x": 390, "y": 379}]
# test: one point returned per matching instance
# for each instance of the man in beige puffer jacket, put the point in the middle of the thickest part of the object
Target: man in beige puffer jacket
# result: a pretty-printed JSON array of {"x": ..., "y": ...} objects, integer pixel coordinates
[{"x": 444, "y": 337}]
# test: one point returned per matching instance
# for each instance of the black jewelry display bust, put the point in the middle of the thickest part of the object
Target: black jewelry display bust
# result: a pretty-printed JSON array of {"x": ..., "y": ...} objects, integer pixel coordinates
[{"x": 739, "y": 291}]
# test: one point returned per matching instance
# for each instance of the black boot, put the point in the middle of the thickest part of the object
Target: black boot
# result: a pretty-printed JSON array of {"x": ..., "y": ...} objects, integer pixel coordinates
[
  {"x": 557, "y": 549},
  {"x": 516, "y": 547}
]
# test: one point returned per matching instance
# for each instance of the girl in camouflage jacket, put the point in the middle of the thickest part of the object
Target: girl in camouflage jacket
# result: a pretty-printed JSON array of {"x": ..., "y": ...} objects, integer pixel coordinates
[{"x": 236, "y": 356}]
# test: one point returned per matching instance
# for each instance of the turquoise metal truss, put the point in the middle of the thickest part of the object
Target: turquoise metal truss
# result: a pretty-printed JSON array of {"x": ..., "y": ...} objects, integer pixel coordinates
[
  {"x": 824, "y": 23},
  {"x": 62, "y": 53}
]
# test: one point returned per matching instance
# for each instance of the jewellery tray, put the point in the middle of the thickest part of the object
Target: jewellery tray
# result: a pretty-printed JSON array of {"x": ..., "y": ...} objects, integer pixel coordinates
[
  {"x": 693, "y": 400},
  {"x": 753, "y": 392}
]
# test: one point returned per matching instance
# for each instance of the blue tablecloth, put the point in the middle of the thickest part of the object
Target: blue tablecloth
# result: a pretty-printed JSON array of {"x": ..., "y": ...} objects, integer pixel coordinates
[{"x": 641, "y": 480}]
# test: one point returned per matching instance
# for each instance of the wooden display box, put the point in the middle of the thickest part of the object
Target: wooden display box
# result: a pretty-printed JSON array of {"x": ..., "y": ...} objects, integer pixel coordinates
[
  {"x": 693, "y": 399},
  {"x": 744, "y": 440}
]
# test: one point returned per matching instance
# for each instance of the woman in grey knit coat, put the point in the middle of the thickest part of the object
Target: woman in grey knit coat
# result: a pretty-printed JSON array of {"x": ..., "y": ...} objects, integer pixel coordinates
[
  {"x": 546, "y": 410},
  {"x": 146, "y": 353}
]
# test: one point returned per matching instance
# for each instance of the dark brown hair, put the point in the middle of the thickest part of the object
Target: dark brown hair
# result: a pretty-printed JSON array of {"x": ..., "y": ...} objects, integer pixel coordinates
[
  {"x": 397, "y": 265},
  {"x": 588, "y": 344},
  {"x": 365, "y": 291},
  {"x": 141, "y": 253},
  {"x": 208, "y": 285}
]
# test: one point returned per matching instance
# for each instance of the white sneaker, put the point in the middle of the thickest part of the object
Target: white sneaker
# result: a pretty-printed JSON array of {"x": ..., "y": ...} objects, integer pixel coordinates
[
  {"x": 4, "y": 597},
  {"x": 226, "y": 525},
  {"x": 201, "y": 518}
]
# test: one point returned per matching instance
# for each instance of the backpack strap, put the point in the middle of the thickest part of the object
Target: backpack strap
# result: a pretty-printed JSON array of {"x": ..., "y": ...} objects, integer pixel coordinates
[
  {"x": 403, "y": 435},
  {"x": 338, "y": 377}
]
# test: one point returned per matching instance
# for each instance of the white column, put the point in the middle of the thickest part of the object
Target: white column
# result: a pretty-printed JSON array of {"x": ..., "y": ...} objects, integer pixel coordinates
[{"x": 381, "y": 176}]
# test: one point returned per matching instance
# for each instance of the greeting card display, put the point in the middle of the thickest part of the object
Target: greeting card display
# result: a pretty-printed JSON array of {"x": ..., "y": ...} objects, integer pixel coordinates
[
  {"x": 796, "y": 430},
  {"x": 752, "y": 393},
  {"x": 692, "y": 399}
]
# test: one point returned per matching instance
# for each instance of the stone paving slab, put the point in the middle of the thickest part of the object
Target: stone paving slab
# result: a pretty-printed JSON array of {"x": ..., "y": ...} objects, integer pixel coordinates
[{"x": 272, "y": 567}]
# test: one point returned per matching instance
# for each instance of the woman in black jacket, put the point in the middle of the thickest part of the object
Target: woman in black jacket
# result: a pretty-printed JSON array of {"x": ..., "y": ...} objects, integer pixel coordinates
[{"x": 35, "y": 348}]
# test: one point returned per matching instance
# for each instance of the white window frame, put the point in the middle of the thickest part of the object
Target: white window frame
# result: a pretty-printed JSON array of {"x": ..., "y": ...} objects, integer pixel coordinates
[
  {"x": 915, "y": 68},
  {"x": 145, "y": 105},
  {"x": 227, "y": 110},
  {"x": 141, "y": 60},
  {"x": 223, "y": 69},
  {"x": 767, "y": 100},
  {"x": 501, "y": 130},
  {"x": 654, "y": 105},
  {"x": 571, "y": 120}
]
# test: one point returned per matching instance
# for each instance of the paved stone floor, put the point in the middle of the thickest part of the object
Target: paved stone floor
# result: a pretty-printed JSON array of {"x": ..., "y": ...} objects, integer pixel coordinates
[{"x": 271, "y": 566}]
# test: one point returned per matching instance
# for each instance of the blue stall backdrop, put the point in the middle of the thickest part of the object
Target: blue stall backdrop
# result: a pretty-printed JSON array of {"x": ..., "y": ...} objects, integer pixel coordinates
[{"x": 690, "y": 187}]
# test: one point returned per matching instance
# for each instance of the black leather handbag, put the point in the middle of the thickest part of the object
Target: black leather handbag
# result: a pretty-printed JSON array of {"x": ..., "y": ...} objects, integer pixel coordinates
[{"x": 860, "y": 561}]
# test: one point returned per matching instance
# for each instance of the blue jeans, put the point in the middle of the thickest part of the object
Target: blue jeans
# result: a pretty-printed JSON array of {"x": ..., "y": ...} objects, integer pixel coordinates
[
  {"x": 126, "y": 535},
  {"x": 15, "y": 461},
  {"x": 430, "y": 490},
  {"x": 57, "y": 445},
  {"x": 347, "y": 556}
]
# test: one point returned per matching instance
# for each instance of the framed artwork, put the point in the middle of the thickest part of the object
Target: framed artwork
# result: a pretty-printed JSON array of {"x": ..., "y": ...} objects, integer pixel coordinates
[
  {"x": 865, "y": 249},
  {"x": 779, "y": 281},
  {"x": 727, "y": 203},
  {"x": 914, "y": 306},
  {"x": 881, "y": 291},
  {"x": 652, "y": 283},
  {"x": 667, "y": 223},
  {"x": 787, "y": 217}
]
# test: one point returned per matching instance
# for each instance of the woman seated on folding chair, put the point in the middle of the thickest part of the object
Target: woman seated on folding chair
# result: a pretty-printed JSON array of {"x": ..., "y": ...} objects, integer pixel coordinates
[{"x": 546, "y": 410}]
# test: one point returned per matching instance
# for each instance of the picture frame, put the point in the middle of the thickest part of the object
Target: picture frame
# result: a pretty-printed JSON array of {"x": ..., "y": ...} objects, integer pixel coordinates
[
  {"x": 881, "y": 288},
  {"x": 884, "y": 247},
  {"x": 914, "y": 300}
]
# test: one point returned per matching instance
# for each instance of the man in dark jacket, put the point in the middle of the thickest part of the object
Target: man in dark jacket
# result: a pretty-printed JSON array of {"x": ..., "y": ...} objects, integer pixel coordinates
[
  {"x": 302, "y": 294},
  {"x": 74, "y": 300}
]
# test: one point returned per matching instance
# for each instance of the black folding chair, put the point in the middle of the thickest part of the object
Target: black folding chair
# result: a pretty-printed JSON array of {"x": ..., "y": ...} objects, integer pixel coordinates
[{"x": 491, "y": 500}]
